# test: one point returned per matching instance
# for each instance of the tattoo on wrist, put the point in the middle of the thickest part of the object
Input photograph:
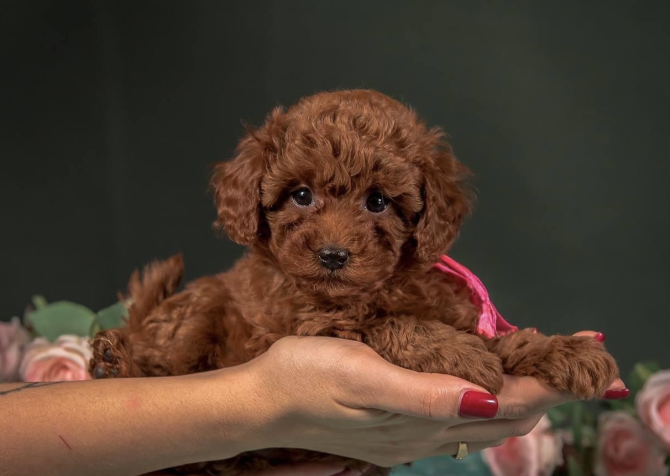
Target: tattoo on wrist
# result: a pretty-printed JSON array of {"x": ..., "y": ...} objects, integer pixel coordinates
[{"x": 26, "y": 386}]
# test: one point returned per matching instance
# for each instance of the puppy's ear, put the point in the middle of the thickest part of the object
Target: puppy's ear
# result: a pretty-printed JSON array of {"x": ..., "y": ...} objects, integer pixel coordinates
[
  {"x": 446, "y": 203},
  {"x": 237, "y": 190}
]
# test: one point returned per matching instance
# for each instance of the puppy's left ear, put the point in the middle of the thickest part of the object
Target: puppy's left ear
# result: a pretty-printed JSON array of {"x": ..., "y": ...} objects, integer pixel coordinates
[
  {"x": 446, "y": 203},
  {"x": 237, "y": 191}
]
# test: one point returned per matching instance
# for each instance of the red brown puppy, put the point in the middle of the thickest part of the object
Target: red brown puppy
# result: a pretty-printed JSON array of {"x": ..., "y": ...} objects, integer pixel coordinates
[{"x": 345, "y": 201}]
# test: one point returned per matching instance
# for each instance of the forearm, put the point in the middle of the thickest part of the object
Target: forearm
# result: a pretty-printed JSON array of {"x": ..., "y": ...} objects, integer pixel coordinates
[{"x": 122, "y": 426}]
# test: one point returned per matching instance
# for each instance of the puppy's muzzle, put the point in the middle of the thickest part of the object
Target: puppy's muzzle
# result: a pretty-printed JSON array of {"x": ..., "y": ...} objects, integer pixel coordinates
[{"x": 333, "y": 258}]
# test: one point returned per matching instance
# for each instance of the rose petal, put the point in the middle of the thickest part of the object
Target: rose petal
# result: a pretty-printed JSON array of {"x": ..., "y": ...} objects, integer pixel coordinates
[
  {"x": 625, "y": 448},
  {"x": 516, "y": 457},
  {"x": 653, "y": 406},
  {"x": 66, "y": 359},
  {"x": 13, "y": 339}
]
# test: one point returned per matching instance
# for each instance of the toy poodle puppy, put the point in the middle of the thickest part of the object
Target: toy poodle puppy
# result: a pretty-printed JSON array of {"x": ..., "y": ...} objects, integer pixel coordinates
[{"x": 346, "y": 202}]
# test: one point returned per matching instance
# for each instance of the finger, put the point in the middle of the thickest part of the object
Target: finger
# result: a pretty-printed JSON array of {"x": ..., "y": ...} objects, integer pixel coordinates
[
  {"x": 522, "y": 397},
  {"x": 586, "y": 334},
  {"x": 618, "y": 384},
  {"x": 432, "y": 396},
  {"x": 305, "y": 469},
  {"x": 481, "y": 431},
  {"x": 599, "y": 336},
  {"x": 450, "y": 449}
]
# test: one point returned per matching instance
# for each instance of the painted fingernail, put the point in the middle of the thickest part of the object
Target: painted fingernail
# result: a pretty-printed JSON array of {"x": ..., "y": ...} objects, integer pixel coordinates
[
  {"x": 617, "y": 394},
  {"x": 478, "y": 405},
  {"x": 599, "y": 336}
]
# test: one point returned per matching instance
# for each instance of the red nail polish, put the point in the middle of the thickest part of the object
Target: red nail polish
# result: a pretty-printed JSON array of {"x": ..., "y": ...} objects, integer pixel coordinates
[
  {"x": 599, "y": 336},
  {"x": 478, "y": 405},
  {"x": 617, "y": 394}
]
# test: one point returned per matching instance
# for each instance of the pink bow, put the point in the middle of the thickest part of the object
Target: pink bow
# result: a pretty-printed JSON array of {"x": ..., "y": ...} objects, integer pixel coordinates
[{"x": 491, "y": 323}]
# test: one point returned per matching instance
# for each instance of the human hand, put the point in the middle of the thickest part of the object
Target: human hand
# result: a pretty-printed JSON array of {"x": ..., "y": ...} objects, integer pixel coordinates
[{"x": 340, "y": 397}]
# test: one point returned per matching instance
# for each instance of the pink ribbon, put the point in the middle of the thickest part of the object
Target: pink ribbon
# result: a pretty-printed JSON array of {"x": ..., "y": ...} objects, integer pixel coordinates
[{"x": 491, "y": 323}]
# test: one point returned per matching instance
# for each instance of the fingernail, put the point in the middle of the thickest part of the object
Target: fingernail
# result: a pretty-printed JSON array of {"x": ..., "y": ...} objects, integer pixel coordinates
[
  {"x": 599, "y": 336},
  {"x": 617, "y": 394},
  {"x": 478, "y": 405}
]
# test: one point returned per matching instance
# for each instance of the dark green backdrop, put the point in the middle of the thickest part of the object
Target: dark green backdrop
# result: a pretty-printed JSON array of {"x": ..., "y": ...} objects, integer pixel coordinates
[{"x": 111, "y": 113}]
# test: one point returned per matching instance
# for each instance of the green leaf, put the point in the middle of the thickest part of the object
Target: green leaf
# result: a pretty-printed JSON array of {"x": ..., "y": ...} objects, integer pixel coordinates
[
  {"x": 26, "y": 320},
  {"x": 640, "y": 374},
  {"x": 627, "y": 405},
  {"x": 95, "y": 328},
  {"x": 557, "y": 415},
  {"x": 63, "y": 317},
  {"x": 589, "y": 435},
  {"x": 39, "y": 302},
  {"x": 589, "y": 419},
  {"x": 577, "y": 423},
  {"x": 574, "y": 469},
  {"x": 112, "y": 316}
]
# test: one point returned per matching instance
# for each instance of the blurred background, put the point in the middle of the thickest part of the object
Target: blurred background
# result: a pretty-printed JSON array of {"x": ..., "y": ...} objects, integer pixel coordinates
[{"x": 113, "y": 112}]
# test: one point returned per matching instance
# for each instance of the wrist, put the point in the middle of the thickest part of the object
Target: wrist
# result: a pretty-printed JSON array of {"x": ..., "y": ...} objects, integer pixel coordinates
[{"x": 239, "y": 418}]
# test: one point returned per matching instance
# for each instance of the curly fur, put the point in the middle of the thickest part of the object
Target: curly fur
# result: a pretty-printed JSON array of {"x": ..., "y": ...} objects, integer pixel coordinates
[{"x": 341, "y": 145}]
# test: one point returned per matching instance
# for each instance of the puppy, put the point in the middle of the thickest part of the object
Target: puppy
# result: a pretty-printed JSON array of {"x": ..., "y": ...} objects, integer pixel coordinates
[{"x": 346, "y": 202}]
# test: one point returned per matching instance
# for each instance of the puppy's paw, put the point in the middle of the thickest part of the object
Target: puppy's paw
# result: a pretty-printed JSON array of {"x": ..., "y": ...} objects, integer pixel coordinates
[
  {"x": 110, "y": 356},
  {"x": 466, "y": 356},
  {"x": 579, "y": 365},
  {"x": 485, "y": 370}
]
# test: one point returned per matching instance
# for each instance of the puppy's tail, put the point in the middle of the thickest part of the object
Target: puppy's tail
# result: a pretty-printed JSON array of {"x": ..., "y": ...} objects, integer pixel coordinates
[{"x": 148, "y": 289}]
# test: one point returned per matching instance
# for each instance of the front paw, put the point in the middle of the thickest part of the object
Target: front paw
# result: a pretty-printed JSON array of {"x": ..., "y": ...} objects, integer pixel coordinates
[
  {"x": 466, "y": 356},
  {"x": 579, "y": 365},
  {"x": 110, "y": 356},
  {"x": 484, "y": 370}
]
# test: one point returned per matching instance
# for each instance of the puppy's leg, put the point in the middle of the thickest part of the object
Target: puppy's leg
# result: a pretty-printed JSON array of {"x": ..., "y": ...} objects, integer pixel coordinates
[
  {"x": 168, "y": 333},
  {"x": 435, "y": 347},
  {"x": 112, "y": 356},
  {"x": 113, "y": 349},
  {"x": 579, "y": 365}
]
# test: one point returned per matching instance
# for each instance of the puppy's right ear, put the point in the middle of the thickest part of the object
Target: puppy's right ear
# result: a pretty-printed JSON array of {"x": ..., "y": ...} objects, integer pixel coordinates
[
  {"x": 237, "y": 190},
  {"x": 237, "y": 183}
]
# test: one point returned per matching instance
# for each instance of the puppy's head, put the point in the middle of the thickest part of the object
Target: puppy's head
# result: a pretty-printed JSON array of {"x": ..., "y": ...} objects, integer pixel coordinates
[{"x": 342, "y": 190}]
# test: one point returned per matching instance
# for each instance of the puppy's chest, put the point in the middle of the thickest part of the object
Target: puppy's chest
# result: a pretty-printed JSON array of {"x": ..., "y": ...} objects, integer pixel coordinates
[
  {"x": 357, "y": 318},
  {"x": 273, "y": 312}
]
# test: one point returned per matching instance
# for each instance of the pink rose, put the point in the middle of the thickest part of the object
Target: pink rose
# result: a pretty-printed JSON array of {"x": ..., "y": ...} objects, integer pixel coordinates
[
  {"x": 625, "y": 448},
  {"x": 536, "y": 454},
  {"x": 66, "y": 359},
  {"x": 653, "y": 406},
  {"x": 13, "y": 338}
]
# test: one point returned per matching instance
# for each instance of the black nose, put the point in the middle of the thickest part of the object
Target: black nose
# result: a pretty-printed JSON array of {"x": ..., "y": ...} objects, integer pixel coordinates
[{"x": 333, "y": 258}]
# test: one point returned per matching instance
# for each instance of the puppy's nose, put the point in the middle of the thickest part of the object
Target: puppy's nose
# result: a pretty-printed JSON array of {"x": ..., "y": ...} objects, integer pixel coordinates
[{"x": 333, "y": 258}]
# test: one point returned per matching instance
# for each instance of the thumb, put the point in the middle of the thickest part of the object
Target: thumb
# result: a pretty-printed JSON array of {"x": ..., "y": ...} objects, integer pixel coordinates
[{"x": 426, "y": 395}]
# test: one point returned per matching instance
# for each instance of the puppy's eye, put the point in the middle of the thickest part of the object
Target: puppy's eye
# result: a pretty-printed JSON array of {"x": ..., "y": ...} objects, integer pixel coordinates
[
  {"x": 376, "y": 202},
  {"x": 302, "y": 197}
]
